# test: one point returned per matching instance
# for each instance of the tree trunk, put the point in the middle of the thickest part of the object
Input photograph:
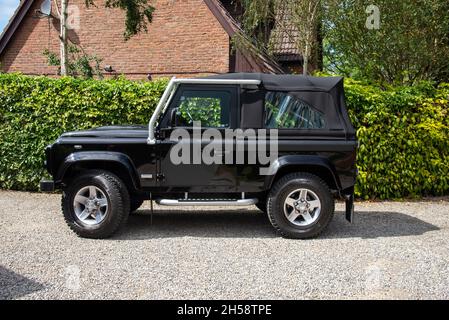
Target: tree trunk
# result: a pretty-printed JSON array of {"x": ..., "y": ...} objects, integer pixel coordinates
[
  {"x": 63, "y": 38},
  {"x": 305, "y": 64},
  {"x": 319, "y": 46}
]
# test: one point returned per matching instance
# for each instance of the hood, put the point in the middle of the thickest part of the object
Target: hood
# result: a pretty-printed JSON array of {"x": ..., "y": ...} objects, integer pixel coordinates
[{"x": 110, "y": 132}]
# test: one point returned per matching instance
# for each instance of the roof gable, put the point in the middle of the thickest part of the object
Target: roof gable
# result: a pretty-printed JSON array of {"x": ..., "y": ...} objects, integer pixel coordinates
[
  {"x": 257, "y": 59},
  {"x": 14, "y": 23}
]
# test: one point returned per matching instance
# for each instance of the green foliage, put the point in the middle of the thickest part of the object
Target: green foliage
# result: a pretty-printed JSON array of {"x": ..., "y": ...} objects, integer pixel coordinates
[
  {"x": 258, "y": 20},
  {"x": 206, "y": 110},
  {"x": 410, "y": 45},
  {"x": 79, "y": 63},
  {"x": 138, "y": 12},
  {"x": 264, "y": 22},
  {"x": 404, "y": 139},
  {"x": 34, "y": 111},
  {"x": 403, "y": 131}
]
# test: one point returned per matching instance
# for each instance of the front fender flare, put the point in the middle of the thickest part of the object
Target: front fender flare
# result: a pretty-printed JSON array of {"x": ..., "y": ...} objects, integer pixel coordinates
[{"x": 83, "y": 157}]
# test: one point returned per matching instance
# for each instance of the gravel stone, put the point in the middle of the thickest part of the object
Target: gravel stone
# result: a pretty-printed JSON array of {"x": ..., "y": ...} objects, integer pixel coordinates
[{"x": 394, "y": 250}]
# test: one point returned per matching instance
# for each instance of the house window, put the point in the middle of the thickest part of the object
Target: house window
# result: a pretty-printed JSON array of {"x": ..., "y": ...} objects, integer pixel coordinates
[
  {"x": 284, "y": 111},
  {"x": 212, "y": 108}
]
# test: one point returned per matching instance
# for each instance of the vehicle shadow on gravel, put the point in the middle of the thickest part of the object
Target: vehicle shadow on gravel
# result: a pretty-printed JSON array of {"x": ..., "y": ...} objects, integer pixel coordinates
[
  {"x": 372, "y": 224},
  {"x": 207, "y": 224},
  {"x": 254, "y": 224},
  {"x": 13, "y": 285}
]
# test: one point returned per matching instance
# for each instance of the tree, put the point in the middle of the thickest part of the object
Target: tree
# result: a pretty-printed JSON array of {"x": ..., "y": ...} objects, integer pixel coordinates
[
  {"x": 298, "y": 20},
  {"x": 408, "y": 43},
  {"x": 78, "y": 62},
  {"x": 306, "y": 18},
  {"x": 258, "y": 20},
  {"x": 138, "y": 13}
]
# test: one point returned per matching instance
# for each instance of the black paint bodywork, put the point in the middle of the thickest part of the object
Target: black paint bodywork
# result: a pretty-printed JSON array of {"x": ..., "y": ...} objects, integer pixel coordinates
[{"x": 329, "y": 153}]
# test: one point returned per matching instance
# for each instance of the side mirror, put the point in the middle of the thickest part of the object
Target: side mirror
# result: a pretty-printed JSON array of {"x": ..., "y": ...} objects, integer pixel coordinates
[{"x": 174, "y": 118}]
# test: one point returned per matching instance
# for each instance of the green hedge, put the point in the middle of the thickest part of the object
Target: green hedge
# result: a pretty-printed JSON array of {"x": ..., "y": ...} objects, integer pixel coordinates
[
  {"x": 404, "y": 139},
  {"x": 34, "y": 111},
  {"x": 404, "y": 132}
]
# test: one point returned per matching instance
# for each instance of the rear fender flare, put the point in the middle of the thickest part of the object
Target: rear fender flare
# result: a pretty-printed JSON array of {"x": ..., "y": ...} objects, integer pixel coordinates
[{"x": 298, "y": 161}]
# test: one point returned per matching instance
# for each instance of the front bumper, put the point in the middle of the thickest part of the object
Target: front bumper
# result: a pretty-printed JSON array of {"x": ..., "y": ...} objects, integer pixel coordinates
[{"x": 47, "y": 186}]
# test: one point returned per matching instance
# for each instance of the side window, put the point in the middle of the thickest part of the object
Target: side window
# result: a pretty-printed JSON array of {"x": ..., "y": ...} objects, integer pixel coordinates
[
  {"x": 212, "y": 108},
  {"x": 285, "y": 111}
]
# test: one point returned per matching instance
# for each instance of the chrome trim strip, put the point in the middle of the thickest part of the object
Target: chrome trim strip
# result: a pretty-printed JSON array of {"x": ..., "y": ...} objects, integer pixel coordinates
[{"x": 233, "y": 203}]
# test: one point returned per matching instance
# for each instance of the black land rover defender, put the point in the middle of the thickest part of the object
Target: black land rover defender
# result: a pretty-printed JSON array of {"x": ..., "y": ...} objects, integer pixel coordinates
[{"x": 299, "y": 123}]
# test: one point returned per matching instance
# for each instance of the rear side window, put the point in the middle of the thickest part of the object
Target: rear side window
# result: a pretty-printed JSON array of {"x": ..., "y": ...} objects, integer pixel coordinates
[
  {"x": 212, "y": 108},
  {"x": 284, "y": 111}
]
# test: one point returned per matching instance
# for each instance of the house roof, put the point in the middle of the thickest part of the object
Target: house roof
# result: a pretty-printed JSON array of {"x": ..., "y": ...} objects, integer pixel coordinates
[
  {"x": 283, "y": 43},
  {"x": 254, "y": 56},
  {"x": 285, "y": 35},
  {"x": 14, "y": 22},
  {"x": 229, "y": 24}
]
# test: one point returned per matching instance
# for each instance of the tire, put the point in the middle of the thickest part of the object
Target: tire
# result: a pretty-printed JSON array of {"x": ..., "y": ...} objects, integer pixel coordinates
[
  {"x": 111, "y": 199},
  {"x": 135, "y": 203},
  {"x": 313, "y": 200}
]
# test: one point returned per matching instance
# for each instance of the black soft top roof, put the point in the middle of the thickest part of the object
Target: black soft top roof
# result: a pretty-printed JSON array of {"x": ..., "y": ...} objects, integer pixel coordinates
[
  {"x": 288, "y": 82},
  {"x": 323, "y": 93}
]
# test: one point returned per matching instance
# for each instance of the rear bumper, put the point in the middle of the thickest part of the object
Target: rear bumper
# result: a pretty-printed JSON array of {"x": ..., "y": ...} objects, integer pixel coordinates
[{"x": 47, "y": 186}]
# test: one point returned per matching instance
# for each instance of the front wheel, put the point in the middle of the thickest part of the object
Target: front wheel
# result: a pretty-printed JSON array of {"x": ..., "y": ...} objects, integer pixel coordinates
[
  {"x": 96, "y": 204},
  {"x": 300, "y": 206}
]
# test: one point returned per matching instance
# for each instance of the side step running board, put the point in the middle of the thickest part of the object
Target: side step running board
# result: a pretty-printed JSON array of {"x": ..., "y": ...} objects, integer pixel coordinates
[{"x": 205, "y": 202}]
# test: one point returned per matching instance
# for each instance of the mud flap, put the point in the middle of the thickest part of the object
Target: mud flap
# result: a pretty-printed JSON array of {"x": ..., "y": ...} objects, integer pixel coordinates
[{"x": 350, "y": 208}]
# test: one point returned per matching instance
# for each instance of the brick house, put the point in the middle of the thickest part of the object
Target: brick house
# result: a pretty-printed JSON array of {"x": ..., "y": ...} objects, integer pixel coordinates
[{"x": 187, "y": 38}]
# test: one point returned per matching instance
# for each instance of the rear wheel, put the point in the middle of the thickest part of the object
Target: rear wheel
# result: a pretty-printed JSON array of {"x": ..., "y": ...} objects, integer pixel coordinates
[
  {"x": 96, "y": 204},
  {"x": 300, "y": 206}
]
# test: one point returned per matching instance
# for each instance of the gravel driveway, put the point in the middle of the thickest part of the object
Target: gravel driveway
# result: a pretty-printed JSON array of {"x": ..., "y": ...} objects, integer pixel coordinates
[{"x": 394, "y": 250}]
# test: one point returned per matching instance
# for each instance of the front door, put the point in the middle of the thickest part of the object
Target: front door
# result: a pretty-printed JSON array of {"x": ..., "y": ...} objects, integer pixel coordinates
[{"x": 195, "y": 120}]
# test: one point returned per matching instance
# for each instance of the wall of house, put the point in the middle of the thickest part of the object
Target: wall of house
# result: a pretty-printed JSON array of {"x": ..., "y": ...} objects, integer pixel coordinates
[{"x": 184, "y": 39}]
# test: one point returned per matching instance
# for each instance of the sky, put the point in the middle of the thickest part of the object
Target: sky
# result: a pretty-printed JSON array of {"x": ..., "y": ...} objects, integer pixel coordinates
[{"x": 7, "y": 8}]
